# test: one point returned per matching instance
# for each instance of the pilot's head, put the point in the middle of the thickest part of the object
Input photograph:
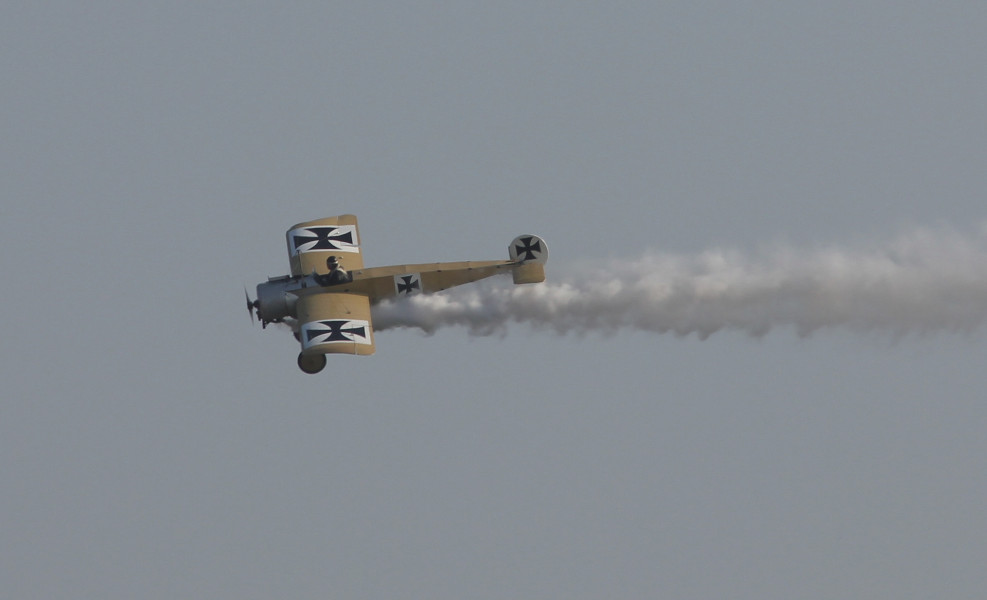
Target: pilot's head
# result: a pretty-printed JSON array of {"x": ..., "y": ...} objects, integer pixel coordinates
[{"x": 332, "y": 262}]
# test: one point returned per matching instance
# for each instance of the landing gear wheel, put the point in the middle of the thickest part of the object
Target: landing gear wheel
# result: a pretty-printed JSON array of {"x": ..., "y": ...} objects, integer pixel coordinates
[{"x": 311, "y": 363}]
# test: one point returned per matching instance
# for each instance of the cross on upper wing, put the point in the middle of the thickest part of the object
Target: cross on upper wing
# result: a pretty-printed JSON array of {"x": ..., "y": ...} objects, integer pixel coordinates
[
  {"x": 312, "y": 242},
  {"x": 311, "y": 239}
]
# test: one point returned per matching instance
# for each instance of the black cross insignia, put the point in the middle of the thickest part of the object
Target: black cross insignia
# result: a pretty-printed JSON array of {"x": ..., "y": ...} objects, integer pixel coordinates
[
  {"x": 336, "y": 332},
  {"x": 527, "y": 248},
  {"x": 408, "y": 284},
  {"x": 323, "y": 238}
]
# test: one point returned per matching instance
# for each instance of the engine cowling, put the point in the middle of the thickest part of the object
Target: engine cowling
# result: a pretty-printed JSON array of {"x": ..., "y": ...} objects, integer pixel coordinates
[{"x": 275, "y": 300}]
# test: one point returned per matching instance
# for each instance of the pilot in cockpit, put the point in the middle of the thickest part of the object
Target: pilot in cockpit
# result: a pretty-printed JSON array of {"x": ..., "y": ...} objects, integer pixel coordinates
[{"x": 336, "y": 273}]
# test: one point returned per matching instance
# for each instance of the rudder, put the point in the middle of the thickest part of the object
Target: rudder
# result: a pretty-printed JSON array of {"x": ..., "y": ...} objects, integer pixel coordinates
[{"x": 532, "y": 253}]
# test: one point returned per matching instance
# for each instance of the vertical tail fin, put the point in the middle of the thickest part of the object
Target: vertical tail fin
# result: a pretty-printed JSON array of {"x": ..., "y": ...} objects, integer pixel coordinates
[{"x": 532, "y": 253}]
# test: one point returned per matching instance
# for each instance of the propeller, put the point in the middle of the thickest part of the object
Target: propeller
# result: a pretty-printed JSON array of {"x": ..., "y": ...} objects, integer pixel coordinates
[{"x": 251, "y": 305}]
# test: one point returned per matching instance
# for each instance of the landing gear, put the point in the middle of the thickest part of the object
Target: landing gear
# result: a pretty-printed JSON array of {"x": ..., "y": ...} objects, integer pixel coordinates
[{"x": 311, "y": 363}]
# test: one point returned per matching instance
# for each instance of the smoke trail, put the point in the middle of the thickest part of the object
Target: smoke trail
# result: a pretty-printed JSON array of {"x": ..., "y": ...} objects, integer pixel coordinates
[{"x": 923, "y": 281}]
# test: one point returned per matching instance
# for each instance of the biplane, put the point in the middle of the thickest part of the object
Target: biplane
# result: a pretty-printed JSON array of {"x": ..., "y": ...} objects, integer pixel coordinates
[{"x": 327, "y": 297}]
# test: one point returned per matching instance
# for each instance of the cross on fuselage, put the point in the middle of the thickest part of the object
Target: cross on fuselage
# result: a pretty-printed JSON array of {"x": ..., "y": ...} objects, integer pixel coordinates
[{"x": 409, "y": 284}]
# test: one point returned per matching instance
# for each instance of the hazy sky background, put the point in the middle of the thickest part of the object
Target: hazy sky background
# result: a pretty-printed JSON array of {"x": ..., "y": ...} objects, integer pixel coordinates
[{"x": 155, "y": 445}]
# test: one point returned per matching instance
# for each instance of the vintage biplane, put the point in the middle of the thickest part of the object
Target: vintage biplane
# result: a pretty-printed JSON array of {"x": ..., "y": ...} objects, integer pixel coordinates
[{"x": 327, "y": 298}]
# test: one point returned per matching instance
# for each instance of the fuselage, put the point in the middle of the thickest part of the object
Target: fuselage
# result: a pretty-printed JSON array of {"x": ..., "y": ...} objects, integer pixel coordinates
[{"x": 278, "y": 296}]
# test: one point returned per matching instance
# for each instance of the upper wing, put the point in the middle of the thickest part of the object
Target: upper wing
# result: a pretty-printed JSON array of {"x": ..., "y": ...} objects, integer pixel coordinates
[
  {"x": 335, "y": 324},
  {"x": 312, "y": 242}
]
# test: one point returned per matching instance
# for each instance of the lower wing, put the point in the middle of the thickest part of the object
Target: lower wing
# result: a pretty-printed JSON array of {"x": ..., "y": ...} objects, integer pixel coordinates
[{"x": 335, "y": 324}]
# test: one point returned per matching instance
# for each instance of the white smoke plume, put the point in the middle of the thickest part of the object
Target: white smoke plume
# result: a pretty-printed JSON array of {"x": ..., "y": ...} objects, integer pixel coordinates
[{"x": 920, "y": 282}]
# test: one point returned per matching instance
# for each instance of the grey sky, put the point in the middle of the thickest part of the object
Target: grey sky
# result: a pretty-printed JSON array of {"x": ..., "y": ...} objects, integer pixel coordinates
[{"x": 154, "y": 445}]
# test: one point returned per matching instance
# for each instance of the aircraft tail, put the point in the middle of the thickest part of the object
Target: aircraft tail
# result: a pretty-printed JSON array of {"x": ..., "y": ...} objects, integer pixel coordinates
[{"x": 532, "y": 253}]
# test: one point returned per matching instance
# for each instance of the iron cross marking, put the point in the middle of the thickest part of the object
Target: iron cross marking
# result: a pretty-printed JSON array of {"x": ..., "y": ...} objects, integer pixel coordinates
[
  {"x": 323, "y": 238},
  {"x": 408, "y": 284},
  {"x": 336, "y": 332},
  {"x": 527, "y": 248}
]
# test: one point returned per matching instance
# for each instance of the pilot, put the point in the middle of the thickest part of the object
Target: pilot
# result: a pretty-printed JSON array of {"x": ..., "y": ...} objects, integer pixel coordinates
[{"x": 336, "y": 273}]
